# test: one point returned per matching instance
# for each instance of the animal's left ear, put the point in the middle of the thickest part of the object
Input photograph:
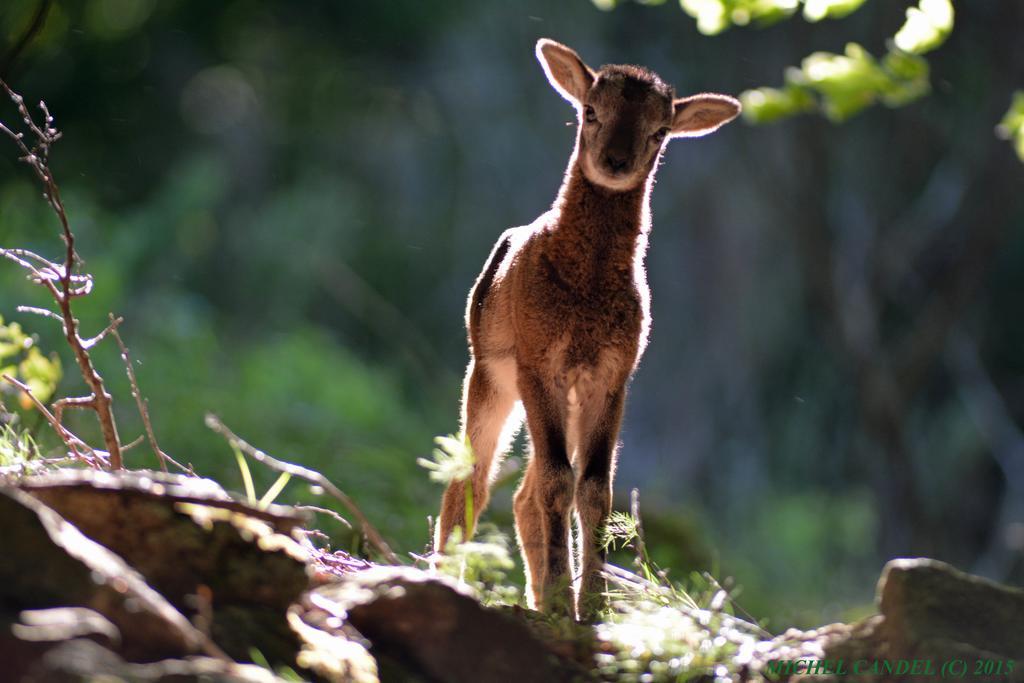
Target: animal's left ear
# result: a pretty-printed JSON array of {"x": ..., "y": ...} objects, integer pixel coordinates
[{"x": 702, "y": 114}]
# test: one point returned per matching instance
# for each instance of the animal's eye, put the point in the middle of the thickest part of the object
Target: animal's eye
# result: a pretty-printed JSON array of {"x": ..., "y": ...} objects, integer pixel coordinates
[
  {"x": 660, "y": 135},
  {"x": 590, "y": 114}
]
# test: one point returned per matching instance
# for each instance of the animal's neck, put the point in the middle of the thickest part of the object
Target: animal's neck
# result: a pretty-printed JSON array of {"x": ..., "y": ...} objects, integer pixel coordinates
[{"x": 599, "y": 219}]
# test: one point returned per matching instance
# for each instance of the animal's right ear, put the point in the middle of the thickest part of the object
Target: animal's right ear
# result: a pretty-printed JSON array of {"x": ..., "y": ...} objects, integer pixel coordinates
[{"x": 565, "y": 70}]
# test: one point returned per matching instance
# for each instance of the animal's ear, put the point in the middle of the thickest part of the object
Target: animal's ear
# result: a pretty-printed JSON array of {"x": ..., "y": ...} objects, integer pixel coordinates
[
  {"x": 702, "y": 114},
  {"x": 565, "y": 70}
]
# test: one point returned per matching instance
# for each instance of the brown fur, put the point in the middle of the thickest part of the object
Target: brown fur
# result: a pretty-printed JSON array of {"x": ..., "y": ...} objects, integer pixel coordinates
[{"x": 558, "y": 320}]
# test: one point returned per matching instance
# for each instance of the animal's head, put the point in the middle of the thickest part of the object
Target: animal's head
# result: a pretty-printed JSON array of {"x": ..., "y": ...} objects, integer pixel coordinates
[{"x": 627, "y": 115}]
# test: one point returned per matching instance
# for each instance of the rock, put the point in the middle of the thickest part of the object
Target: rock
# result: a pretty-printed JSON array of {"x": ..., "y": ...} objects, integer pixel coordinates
[
  {"x": 83, "y": 661},
  {"x": 82, "y": 491},
  {"x": 47, "y": 563},
  {"x": 24, "y": 641},
  {"x": 430, "y": 629},
  {"x": 213, "y": 558},
  {"x": 931, "y": 615},
  {"x": 926, "y": 600},
  {"x": 331, "y": 648}
]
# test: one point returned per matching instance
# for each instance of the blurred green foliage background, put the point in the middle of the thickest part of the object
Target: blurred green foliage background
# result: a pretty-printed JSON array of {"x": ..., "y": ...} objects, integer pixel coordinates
[{"x": 289, "y": 202}]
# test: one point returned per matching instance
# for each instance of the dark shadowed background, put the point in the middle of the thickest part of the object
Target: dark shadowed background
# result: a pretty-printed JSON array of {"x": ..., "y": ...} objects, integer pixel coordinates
[{"x": 289, "y": 202}]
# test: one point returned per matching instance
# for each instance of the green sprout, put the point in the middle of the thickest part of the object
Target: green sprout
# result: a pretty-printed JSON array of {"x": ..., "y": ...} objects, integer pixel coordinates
[
  {"x": 15, "y": 447},
  {"x": 453, "y": 461},
  {"x": 621, "y": 529},
  {"x": 250, "y": 489},
  {"x": 482, "y": 565}
]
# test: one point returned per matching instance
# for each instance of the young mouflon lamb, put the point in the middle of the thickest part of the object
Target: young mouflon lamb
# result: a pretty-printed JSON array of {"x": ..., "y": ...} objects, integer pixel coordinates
[{"x": 558, "y": 320}]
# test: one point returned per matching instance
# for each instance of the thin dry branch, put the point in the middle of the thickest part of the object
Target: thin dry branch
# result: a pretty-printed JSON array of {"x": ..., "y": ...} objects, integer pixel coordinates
[
  {"x": 634, "y": 509},
  {"x": 68, "y": 285},
  {"x": 141, "y": 403},
  {"x": 45, "y": 312},
  {"x": 37, "y": 276},
  {"x": 133, "y": 443},
  {"x": 214, "y": 423},
  {"x": 26, "y": 38},
  {"x": 324, "y": 511},
  {"x": 79, "y": 402},
  {"x": 69, "y": 439},
  {"x": 112, "y": 327}
]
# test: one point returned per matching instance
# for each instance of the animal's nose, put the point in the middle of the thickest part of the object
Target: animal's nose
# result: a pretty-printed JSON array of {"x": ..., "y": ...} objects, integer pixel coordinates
[{"x": 616, "y": 161}]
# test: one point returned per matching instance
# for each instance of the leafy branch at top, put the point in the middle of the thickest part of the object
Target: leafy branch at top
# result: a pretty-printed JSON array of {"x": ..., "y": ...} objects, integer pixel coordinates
[
  {"x": 842, "y": 85},
  {"x": 837, "y": 85},
  {"x": 715, "y": 16}
]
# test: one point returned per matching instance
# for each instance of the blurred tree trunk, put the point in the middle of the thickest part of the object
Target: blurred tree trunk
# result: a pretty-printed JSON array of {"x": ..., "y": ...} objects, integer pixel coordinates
[{"x": 889, "y": 370}]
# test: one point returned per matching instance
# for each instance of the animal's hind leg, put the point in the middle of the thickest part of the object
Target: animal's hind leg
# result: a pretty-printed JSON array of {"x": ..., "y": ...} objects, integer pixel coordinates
[{"x": 486, "y": 406}]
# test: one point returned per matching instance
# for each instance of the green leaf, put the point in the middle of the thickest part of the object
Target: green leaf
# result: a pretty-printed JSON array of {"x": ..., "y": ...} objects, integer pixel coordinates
[
  {"x": 841, "y": 85},
  {"x": 847, "y": 82},
  {"x": 908, "y": 78},
  {"x": 12, "y": 339},
  {"x": 927, "y": 26},
  {"x": 816, "y": 10},
  {"x": 715, "y": 16},
  {"x": 765, "y": 105},
  {"x": 1012, "y": 126},
  {"x": 40, "y": 373},
  {"x": 711, "y": 15}
]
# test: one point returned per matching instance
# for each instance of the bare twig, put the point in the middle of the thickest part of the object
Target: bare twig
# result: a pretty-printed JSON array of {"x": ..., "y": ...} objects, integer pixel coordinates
[
  {"x": 45, "y": 312},
  {"x": 31, "y": 31},
  {"x": 634, "y": 509},
  {"x": 81, "y": 402},
  {"x": 133, "y": 443},
  {"x": 42, "y": 261},
  {"x": 214, "y": 423},
  {"x": 314, "y": 533},
  {"x": 69, "y": 439},
  {"x": 112, "y": 327},
  {"x": 67, "y": 285},
  {"x": 325, "y": 511},
  {"x": 39, "y": 277},
  {"x": 140, "y": 403}
]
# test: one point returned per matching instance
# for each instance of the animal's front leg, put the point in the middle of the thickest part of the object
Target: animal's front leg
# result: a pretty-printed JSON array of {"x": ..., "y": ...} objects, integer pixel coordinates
[
  {"x": 544, "y": 502},
  {"x": 594, "y": 495}
]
